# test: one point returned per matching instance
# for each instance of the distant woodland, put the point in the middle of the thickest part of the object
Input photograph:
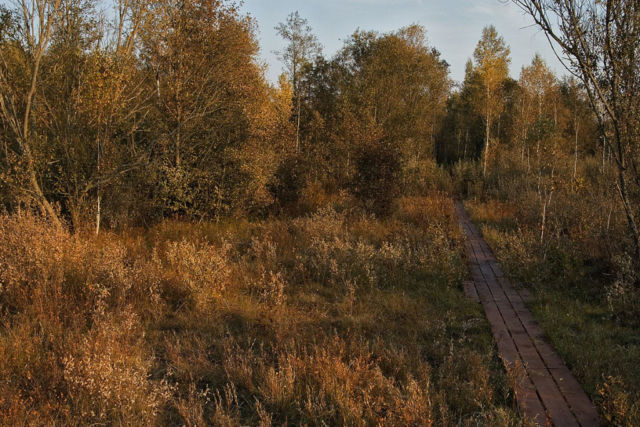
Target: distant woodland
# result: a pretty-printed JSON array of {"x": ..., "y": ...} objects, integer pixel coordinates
[
  {"x": 161, "y": 110},
  {"x": 169, "y": 215}
]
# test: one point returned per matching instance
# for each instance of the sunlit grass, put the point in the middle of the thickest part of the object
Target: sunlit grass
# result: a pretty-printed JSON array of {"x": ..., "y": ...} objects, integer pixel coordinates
[{"x": 334, "y": 318}]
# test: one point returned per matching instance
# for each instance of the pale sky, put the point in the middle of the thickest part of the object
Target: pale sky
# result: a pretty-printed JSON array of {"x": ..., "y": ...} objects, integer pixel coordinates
[{"x": 453, "y": 27}]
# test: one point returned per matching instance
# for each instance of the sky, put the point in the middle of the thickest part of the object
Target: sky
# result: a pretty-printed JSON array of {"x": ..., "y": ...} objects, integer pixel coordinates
[{"x": 453, "y": 27}]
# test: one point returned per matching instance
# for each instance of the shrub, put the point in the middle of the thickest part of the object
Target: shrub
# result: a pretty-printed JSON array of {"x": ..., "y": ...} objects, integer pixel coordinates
[
  {"x": 288, "y": 181},
  {"x": 334, "y": 318},
  {"x": 76, "y": 352},
  {"x": 106, "y": 374},
  {"x": 337, "y": 382},
  {"x": 201, "y": 269},
  {"x": 624, "y": 294},
  {"x": 377, "y": 177},
  {"x": 421, "y": 177},
  {"x": 617, "y": 404}
]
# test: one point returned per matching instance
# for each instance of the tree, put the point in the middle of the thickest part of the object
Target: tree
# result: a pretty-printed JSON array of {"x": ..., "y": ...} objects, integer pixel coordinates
[
  {"x": 83, "y": 87},
  {"x": 377, "y": 176},
  {"x": 397, "y": 81},
  {"x": 21, "y": 57},
  {"x": 581, "y": 130},
  {"x": 203, "y": 55},
  {"x": 539, "y": 102},
  {"x": 539, "y": 123},
  {"x": 462, "y": 135},
  {"x": 492, "y": 65},
  {"x": 96, "y": 101},
  {"x": 600, "y": 41},
  {"x": 303, "y": 47}
]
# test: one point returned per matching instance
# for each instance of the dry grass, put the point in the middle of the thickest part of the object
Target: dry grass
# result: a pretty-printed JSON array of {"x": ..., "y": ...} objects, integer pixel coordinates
[{"x": 335, "y": 318}]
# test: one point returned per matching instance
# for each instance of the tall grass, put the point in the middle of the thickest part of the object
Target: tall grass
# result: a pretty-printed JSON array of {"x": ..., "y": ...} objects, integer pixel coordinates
[{"x": 334, "y": 318}]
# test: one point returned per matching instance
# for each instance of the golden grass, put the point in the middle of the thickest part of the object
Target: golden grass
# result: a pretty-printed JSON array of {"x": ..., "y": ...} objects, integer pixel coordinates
[{"x": 334, "y": 318}]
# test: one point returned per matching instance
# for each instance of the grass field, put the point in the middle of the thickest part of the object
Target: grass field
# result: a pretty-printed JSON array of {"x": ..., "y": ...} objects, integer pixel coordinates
[{"x": 334, "y": 318}]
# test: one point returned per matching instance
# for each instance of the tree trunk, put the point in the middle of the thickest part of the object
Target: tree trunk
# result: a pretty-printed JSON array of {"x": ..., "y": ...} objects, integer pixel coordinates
[
  {"x": 98, "y": 212},
  {"x": 42, "y": 201},
  {"x": 545, "y": 204},
  {"x": 22, "y": 129},
  {"x": 486, "y": 146},
  {"x": 298, "y": 124},
  {"x": 487, "y": 135},
  {"x": 622, "y": 189},
  {"x": 575, "y": 161}
]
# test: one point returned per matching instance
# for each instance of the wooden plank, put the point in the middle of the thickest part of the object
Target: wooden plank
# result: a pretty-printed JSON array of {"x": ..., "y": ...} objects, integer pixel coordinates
[
  {"x": 497, "y": 271},
  {"x": 476, "y": 270},
  {"x": 552, "y": 399},
  {"x": 528, "y": 353},
  {"x": 526, "y": 295},
  {"x": 509, "y": 289},
  {"x": 483, "y": 293},
  {"x": 546, "y": 391},
  {"x": 579, "y": 403},
  {"x": 548, "y": 354},
  {"x": 529, "y": 401},
  {"x": 529, "y": 323}
]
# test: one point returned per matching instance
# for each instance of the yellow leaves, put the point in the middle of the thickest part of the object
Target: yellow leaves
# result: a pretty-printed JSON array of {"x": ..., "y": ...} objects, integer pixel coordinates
[
  {"x": 580, "y": 183},
  {"x": 283, "y": 96},
  {"x": 104, "y": 85},
  {"x": 539, "y": 83},
  {"x": 492, "y": 57}
]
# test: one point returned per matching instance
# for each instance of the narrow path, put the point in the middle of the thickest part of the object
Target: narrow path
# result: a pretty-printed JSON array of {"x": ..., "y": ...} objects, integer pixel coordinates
[{"x": 546, "y": 391}]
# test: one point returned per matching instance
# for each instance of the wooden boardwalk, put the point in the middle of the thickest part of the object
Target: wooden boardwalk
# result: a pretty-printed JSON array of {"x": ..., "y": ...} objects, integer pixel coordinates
[{"x": 547, "y": 393}]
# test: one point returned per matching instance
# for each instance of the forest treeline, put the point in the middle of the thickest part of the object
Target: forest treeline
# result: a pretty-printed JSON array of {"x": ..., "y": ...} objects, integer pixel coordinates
[
  {"x": 161, "y": 109},
  {"x": 158, "y": 109}
]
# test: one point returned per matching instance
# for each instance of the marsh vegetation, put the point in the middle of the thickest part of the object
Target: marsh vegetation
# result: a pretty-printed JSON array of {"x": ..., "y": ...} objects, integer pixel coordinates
[{"x": 183, "y": 242}]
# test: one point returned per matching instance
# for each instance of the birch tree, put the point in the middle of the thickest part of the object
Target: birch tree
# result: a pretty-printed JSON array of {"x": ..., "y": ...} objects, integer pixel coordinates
[
  {"x": 492, "y": 65},
  {"x": 541, "y": 98},
  {"x": 599, "y": 42},
  {"x": 301, "y": 50},
  {"x": 71, "y": 91},
  {"x": 211, "y": 102}
]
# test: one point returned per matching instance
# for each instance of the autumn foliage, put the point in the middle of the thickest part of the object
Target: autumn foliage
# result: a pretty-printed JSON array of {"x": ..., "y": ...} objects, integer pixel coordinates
[{"x": 183, "y": 242}]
